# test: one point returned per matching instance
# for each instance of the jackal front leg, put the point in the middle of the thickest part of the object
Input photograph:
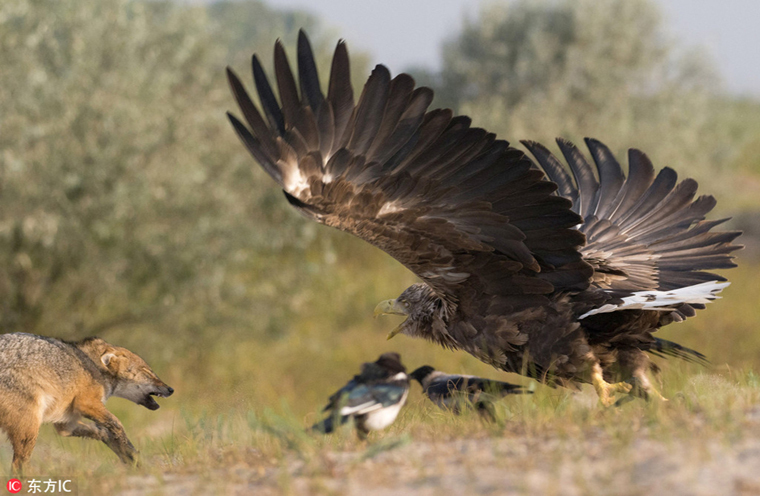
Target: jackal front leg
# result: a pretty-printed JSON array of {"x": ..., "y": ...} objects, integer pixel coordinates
[
  {"x": 77, "y": 428},
  {"x": 111, "y": 430}
]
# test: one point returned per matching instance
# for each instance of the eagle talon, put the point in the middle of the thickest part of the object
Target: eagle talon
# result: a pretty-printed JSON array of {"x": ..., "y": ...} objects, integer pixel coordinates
[
  {"x": 656, "y": 394},
  {"x": 653, "y": 394},
  {"x": 645, "y": 389},
  {"x": 606, "y": 390}
]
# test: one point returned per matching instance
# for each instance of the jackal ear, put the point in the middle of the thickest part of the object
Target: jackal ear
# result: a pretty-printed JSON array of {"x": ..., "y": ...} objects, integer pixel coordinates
[{"x": 106, "y": 358}]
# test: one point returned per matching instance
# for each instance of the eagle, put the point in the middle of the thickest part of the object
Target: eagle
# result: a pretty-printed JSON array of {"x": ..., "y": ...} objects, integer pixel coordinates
[{"x": 556, "y": 272}]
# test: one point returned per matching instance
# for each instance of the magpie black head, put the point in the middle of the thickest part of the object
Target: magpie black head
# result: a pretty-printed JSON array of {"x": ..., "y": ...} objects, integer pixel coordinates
[
  {"x": 391, "y": 362},
  {"x": 420, "y": 373}
]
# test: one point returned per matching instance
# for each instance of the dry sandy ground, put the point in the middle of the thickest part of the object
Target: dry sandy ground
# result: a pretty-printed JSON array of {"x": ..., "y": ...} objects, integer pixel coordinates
[{"x": 590, "y": 464}]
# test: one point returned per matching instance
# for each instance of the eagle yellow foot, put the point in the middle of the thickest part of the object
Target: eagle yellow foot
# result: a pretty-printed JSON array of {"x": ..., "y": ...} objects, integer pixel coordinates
[
  {"x": 642, "y": 388},
  {"x": 605, "y": 390},
  {"x": 657, "y": 396}
]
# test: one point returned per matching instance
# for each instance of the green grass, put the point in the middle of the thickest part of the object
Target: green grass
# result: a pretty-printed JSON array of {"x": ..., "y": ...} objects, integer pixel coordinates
[
  {"x": 243, "y": 400},
  {"x": 268, "y": 446}
]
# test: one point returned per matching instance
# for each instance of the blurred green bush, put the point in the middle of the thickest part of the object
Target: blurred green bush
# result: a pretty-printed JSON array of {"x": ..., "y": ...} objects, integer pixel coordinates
[
  {"x": 125, "y": 195},
  {"x": 609, "y": 70}
]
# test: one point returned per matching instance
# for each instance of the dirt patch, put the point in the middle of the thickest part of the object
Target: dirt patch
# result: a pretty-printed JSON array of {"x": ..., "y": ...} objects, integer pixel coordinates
[{"x": 595, "y": 464}]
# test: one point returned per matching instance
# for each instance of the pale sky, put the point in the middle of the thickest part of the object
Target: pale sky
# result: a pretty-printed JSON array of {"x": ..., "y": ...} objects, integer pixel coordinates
[{"x": 402, "y": 33}]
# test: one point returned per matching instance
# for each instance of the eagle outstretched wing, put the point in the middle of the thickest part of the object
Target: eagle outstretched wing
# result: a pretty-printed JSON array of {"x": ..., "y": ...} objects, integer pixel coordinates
[
  {"x": 525, "y": 272},
  {"x": 646, "y": 234},
  {"x": 458, "y": 207}
]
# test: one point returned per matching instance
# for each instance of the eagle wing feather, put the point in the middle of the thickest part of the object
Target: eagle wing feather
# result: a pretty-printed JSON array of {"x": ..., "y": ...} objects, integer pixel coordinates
[{"x": 449, "y": 201}]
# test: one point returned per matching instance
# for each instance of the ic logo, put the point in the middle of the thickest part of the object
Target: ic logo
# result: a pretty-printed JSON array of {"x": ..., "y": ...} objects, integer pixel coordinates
[{"x": 14, "y": 486}]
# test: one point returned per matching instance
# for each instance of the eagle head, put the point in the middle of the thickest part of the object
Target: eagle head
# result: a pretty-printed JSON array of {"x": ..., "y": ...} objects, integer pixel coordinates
[{"x": 419, "y": 304}]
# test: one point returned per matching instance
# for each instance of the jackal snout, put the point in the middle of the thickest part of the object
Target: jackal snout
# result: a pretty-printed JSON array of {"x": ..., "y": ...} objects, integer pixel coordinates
[{"x": 136, "y": 381}]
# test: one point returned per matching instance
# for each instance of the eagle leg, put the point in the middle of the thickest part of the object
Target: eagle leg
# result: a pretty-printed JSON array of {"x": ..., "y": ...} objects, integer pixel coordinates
[
  {"x": 644, "y": 386},
  {"x": 604, "y": 389}
]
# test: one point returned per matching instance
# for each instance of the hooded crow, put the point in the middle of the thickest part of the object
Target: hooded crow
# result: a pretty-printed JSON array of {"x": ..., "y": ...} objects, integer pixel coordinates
[
  {"x": 373, "y": 398},
  {"x": 455, "y": 392}
]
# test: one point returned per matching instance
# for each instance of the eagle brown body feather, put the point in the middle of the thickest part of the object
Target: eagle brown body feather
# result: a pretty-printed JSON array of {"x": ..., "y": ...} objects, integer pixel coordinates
[{"x": 507, "y": 270}]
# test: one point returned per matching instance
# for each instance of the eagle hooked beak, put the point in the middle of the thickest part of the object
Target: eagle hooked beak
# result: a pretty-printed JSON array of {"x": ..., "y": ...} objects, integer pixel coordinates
[{"x": 391, "y": 307}]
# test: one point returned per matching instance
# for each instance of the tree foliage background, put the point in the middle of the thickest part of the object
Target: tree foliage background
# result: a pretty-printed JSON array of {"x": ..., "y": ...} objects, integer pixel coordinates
[
  {"x": 129, "y": 209},
  {"x": 609, "y": 70},
  {"x": 125, "y": 195}
]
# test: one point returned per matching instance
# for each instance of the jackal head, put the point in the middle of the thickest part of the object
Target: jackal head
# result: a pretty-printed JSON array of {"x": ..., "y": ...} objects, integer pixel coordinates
[{"x": 133, "y": 379}]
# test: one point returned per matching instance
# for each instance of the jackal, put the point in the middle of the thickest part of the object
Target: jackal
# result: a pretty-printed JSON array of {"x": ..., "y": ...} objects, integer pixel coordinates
[{"x": 50, "y": 380}]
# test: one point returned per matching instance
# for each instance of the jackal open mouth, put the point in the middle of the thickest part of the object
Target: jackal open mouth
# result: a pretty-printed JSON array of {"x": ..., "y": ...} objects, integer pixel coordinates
[{"x": 151, "y": 404}]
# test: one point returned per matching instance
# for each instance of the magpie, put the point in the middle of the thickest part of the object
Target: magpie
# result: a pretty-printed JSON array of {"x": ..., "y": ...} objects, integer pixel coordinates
[{"x": 373, "y": 398}]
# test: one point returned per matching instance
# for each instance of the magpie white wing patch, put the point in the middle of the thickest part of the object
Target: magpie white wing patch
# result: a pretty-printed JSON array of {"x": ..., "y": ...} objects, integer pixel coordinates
[
  {"x": 381, "y": 419},
  {"x": 367, "y": 407}
]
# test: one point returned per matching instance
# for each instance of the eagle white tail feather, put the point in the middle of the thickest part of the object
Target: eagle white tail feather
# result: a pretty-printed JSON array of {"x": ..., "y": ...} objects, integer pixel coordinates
[{"x": 663, "y": 301}]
